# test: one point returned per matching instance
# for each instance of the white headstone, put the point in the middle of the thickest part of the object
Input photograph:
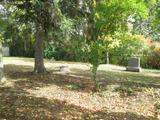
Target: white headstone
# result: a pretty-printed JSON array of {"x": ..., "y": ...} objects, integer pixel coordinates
[{"x": 5, "y": 51}]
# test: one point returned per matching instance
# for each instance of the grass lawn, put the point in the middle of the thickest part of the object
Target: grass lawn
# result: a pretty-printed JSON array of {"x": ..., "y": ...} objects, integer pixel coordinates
[{"x": 54, "y": 96}]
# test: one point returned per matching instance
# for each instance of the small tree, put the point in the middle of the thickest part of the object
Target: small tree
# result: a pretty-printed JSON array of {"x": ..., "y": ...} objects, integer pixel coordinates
[
  {"x": 43, "y": 16},
  {"x": 95, "y": 59},
  {"x": 106, "y": 18}
]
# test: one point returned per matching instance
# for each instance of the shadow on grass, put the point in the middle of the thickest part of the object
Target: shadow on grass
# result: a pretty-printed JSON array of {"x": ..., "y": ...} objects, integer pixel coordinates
[
  {"x": 127, "y": 83},
  {"x": 123, "y": 77},
  {"x": 79, "y": 80},
  {"x": 23, "y": 78},
  {"x": 16, "y": 104}
]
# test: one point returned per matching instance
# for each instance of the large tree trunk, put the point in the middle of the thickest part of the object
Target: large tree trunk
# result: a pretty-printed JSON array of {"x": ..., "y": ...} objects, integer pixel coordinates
[{"x": 39, "y": 63}]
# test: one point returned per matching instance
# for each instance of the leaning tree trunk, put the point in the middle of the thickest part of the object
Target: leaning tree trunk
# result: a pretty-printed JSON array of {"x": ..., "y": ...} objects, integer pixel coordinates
[{"x": 39, "y": 63}]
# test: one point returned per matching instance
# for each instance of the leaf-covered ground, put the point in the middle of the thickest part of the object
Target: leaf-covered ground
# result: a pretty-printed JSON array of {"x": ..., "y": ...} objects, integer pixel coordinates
[{"x": 55, "y": 96}]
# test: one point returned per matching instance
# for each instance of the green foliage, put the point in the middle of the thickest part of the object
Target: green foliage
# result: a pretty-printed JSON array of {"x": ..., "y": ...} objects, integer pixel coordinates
[
  {"x": 129, "y": 46},
  {"x": 111, "y": 16},
  {"x": 92, "y": 53},
  {"x": 49, "y": 52},
  {"x": 20, "y": 39},
  {"x": 95, "y": 56},
  {"x": 1, "y": 38},
  {"x": 154, "y": 58},
  {"x": 105, "y": 19},
  {"x": 56, "y": 52},
  {"x": 150, "y": 26},
  {"x": 66, "y": 26},
  {"x": 156, "y": 20},
  {"x": 75, "y": 28},
  {"x": 79, "y": 49},
  {"x": 24, "y": 16}
]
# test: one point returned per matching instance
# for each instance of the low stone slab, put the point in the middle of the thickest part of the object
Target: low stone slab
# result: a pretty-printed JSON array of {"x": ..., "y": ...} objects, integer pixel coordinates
[
  {"x": 64, "y": 69},
  {"x": 133, "y": 69},
  {"x": 134, "y": 65}
]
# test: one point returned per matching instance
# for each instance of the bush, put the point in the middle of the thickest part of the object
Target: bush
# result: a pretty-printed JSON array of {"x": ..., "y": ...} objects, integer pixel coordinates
[
  {"x": 74, "y": 49},
  {"x": 153, "y": 60},
  {"x": 58, "y": 53},
  {"x": 129, "y": 46},
  {"x": 49, "y": 52}
]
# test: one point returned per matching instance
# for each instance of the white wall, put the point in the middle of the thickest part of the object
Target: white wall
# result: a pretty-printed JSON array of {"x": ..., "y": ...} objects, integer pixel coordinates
[{"x": 5, "y": 51}]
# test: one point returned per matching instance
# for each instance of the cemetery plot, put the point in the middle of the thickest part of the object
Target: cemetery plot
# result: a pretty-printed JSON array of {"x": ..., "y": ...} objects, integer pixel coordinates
[{"x": 124, "y": 95}]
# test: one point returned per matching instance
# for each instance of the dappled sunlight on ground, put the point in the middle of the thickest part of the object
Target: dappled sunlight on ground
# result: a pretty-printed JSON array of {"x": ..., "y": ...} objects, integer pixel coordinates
[
  {"x": 122, "y": 95},
  {"x": 107, "y": 100}
]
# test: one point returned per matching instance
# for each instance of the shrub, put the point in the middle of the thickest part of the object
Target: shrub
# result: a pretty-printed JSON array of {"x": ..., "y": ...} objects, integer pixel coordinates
[
  {"x": 153, "y": 60},
  {"x": 58, "y": 53},
  {"x": 49, "y": 52},
  {"x": 129, "y": 46}
]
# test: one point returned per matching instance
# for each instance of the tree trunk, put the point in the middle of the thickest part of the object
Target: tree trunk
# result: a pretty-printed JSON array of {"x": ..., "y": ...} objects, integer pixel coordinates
[
  {"x": 107, "y": 57},
  {"x": 39, "y": 63},
  {"x": 1, "y": 63}
]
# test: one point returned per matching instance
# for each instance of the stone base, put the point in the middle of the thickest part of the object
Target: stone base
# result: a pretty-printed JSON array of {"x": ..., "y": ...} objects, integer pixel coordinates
[{"x": 134, "y": 69}]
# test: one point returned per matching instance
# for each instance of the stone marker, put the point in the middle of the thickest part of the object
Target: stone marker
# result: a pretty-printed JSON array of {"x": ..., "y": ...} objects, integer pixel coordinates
[
  {"x": 64, "y": 69},
  {"x": 5, "y": 51},
  {"x": 134, "y": 65}
]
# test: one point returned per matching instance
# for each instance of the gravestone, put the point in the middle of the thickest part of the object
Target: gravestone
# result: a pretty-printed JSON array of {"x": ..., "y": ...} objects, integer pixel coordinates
[
  {"x": 134, "y": 65},
  {"x": 5, "y": 51},
  {"x": 64, "y": 69}
]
